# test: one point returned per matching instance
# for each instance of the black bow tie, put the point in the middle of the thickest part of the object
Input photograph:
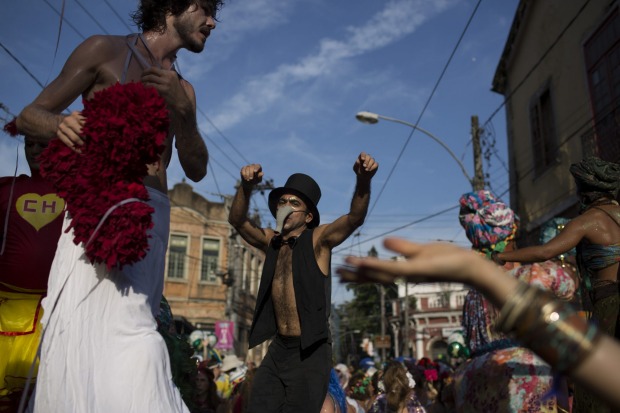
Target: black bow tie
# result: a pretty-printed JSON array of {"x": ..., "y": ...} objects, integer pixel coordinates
[{"x": 278, "y": 241}]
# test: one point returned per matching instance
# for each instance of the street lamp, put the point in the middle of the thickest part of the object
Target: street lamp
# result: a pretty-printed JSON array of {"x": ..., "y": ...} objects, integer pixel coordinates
[{"x": 372, "y": 118}]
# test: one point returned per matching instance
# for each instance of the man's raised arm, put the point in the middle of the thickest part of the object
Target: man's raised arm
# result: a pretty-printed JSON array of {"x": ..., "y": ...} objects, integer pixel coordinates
[
  {"x": 336, "y": 232},
  {"x": 251, "y": 175}
]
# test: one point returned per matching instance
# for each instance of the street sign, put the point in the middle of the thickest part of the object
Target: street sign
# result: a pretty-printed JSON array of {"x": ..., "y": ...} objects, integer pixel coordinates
[{"x": 383, "y": 342}]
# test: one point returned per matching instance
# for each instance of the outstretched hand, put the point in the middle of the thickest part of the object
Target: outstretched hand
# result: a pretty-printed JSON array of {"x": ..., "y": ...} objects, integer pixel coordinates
[
  {"x": 423, "y": 263},
  {"x": 251, "y": 175},
  {"x": 365, "y": 166}
]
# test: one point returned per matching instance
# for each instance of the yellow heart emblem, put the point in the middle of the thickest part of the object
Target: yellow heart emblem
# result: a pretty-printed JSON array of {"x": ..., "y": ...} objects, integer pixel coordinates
[{"x": 39, "y": 210}]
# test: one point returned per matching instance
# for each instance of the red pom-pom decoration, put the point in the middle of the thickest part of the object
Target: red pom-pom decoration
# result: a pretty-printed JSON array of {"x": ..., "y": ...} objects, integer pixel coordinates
[
  {"x": 125, "y": 129},
  {"x": 11, "y": 128}
]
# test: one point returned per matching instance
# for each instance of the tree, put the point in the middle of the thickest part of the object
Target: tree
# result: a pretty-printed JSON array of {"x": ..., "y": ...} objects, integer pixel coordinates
[{"x": 363, "y": 311}]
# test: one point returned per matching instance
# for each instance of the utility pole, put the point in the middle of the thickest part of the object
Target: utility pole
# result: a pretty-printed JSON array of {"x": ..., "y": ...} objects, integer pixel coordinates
[
  {"x": 478, "y": 183},
  {"x": 406, "y": 326},
  {"x": 382, "y": 291},
  {"x": 373, "y": 253}
]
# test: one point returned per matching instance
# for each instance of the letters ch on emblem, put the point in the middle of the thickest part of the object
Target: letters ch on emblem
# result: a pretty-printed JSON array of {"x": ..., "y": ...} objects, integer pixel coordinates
[{"x": 39, "y": 210}]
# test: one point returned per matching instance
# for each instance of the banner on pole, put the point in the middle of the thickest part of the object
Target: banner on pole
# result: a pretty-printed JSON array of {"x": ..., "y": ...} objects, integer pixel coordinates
[{"x": 224, "y": 330}]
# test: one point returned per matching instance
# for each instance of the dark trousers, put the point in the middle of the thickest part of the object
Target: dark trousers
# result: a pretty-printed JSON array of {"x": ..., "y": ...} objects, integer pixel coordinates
[{"x": 291, "y": 380}]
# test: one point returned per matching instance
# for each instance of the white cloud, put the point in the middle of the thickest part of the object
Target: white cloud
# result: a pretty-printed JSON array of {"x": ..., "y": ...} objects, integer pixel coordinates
[
  {"x": 396, "y": 20},
  {"x": 238, "y": 21}
]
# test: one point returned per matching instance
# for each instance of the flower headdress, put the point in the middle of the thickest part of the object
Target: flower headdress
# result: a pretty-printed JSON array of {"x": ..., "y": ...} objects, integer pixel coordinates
[
  {"x": 125, "y": 128},
  {"x": 430, "y": 369},
  {"x": 360, "y": 387}
]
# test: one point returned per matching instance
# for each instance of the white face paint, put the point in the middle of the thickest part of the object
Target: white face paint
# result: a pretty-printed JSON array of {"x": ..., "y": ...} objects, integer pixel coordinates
[{"x": 281, "y": 215}]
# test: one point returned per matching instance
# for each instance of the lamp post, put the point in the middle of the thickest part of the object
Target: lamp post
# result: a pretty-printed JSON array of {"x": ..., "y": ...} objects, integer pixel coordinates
[{"x": 372, "y": 118}]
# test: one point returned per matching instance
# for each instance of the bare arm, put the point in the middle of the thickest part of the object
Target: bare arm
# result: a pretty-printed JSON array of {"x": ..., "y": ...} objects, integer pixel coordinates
[
  {"x": 448, "y": 263},
  {"x": 251, "y": 175},
  {"x": 599, "y": 371},
  {"x": 335, "y": 233},
  {"x": 181, "y": 100},
  {"x": 432, "y": 263},
  {"x": 566, "y": 240},
  {"x": 78, "y": 76}
]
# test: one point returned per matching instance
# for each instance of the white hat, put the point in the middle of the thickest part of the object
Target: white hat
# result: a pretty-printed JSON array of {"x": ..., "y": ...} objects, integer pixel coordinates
[
  {"x": 237, "y": 376},
  {"x": 342, "y": 368},
  {"x": 231, "y": 362}
]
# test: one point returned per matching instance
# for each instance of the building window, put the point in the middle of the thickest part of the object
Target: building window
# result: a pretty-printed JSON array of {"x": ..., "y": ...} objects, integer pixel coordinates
[
  {"x": 210, "y": 259},
  {"x": 544, "y": 143},
  {"x": 602, "y": 53},
  {"x": 177, "y": 256}
]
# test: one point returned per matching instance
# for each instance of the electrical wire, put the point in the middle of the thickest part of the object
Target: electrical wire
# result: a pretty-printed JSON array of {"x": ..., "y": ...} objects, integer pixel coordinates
[
  {"x": 428, "y": 101},
  {"x": 535, "y": 66},
  {"x": 85, "y": 10},
  {"x": 22, "y": 65},
  {"x": 118, "y": 15}
]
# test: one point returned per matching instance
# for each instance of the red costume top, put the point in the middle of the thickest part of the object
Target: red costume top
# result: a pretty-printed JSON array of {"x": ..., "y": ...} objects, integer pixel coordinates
[{"x": 35, "y": 221}]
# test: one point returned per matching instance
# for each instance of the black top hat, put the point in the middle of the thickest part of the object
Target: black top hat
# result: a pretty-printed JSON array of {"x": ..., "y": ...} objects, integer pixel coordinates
[{"x": 304, "y": 187}]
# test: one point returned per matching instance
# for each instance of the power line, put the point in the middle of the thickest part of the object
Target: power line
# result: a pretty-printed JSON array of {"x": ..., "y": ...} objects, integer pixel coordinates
[
  {"x": 214, "y": 179},
  {"x": 507, "y": 98},
  {"x": 576, "y": 132},
  {"x": 417, "y": 221},
  {"x": 223, "y": 136},
  {"x": 117, "y": 15},
  {"x": 23, "y": 66},
  {"x": 91, "y": 17},
  {"x": 428, "y": 101},
  {"x": 535, "y": 66},
  {"x": 60, "y": 14}
]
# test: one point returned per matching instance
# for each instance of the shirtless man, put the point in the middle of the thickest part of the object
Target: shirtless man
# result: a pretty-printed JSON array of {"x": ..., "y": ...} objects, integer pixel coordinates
[
  {"x": 101, "y": 351},
  {"x": 294, "y": 297},
  {"x": 102, "y": 60}
]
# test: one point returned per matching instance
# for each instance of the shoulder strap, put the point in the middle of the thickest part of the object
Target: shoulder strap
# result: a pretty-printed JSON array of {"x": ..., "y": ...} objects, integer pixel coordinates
[
  {"x": 136, "y": 52},
  {"x": 132, "y": 51}
]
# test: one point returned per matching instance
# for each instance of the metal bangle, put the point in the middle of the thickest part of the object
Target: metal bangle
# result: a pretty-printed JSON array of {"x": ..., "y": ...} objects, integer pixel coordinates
[{"x": 551, "y": 328}]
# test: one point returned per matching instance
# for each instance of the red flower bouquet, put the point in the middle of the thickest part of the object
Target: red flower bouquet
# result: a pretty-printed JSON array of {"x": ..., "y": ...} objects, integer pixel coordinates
[{"x": 125, "y": 129}]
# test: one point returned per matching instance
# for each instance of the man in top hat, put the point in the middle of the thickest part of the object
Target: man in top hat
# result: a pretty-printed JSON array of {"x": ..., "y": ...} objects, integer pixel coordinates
[{"x": 294, "y": 296}]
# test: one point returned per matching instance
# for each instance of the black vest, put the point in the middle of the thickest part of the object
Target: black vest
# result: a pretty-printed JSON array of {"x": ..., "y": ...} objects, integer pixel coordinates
[{"x": 312, "y": 295}]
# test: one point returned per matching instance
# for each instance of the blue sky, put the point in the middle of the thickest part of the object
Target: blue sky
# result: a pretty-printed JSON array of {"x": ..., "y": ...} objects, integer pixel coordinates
[{"x": 280, "y": 81}]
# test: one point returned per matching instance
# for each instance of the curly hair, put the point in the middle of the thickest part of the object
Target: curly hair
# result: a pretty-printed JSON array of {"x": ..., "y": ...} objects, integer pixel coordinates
[
  {"x": 396, "y": 386},
  {"x": 151, "y": 14},
  {"x": 359, "y": 386}
]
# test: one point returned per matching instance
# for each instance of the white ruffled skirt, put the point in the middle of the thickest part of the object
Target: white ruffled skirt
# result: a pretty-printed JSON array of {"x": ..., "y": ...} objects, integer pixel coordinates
[{"x": 101, "y": 351}]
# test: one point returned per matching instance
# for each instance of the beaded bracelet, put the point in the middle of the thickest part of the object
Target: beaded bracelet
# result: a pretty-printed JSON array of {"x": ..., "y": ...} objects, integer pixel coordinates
[{"x": 551, "y": 328}]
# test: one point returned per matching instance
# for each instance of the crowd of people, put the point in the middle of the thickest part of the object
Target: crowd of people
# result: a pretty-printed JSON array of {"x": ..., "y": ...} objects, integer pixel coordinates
[
  {"x": 400, "y": 385},
  {"x": 89, "y": 327},
  {"x": 540, "y": 331}
]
